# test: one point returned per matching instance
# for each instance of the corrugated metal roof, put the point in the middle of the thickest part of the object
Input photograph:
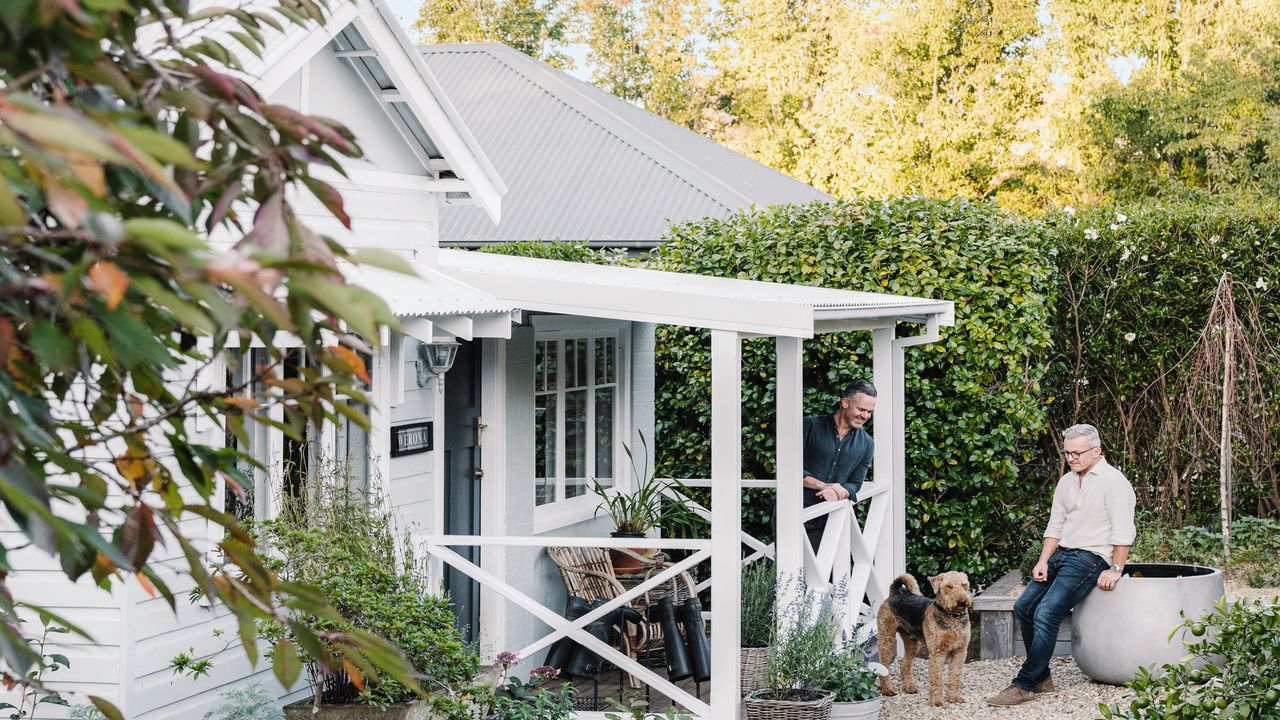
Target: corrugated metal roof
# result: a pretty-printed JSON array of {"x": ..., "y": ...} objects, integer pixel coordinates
[
  {"x": 585, "y": 165},
  {"x": 430, "y": 293},
  {"x": 679, "y": 298}
]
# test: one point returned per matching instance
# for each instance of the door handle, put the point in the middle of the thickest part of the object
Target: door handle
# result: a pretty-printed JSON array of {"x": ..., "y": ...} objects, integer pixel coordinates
[{"x": 479, "y": 474}]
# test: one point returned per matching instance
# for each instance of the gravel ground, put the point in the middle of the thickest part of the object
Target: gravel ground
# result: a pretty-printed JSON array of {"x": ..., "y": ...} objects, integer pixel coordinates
[{"x": 1077, "y": 697}]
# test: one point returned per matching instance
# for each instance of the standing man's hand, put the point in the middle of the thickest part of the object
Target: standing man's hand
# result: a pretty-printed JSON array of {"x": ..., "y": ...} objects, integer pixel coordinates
[
  {"x": 1108, "y": 579},
  {"x": 1041, "y": 572},
  {"x": 833, "y": 491}
]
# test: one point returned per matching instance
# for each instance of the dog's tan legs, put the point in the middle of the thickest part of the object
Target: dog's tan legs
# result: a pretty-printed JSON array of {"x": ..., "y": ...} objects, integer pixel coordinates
[
  {"x": 886, "y": 632},
  {"x": 909, "y": 648},
  {"x": 956, "y": 661},
  {"x": 935, "y": 679}
]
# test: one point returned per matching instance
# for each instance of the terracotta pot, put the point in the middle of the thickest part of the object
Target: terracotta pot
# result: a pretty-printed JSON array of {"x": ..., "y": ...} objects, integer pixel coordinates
[{"x": 622, "y": 562}]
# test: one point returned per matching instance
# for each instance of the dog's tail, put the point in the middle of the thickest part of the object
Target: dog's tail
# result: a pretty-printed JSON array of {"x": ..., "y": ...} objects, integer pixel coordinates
[{"x": 904, "y": 585}]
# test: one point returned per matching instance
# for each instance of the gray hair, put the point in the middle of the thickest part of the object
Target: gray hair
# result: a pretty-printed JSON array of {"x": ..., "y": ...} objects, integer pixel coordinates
[{"x": 1088, "y": 432}]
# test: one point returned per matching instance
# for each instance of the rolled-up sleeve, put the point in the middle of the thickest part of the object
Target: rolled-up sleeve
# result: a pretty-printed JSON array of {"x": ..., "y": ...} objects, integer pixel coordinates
[
  {"x": 1120, "y": 508},
  {"x": 1057, "y": 515}
]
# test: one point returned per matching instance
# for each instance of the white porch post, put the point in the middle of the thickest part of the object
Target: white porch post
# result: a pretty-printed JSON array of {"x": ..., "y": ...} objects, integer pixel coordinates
[
  {"x": 726, "y": 521},
  {"x": 790, "y": 456},
  {"x": 898, "y": 516},
  {"x": 888, "y": 454}
]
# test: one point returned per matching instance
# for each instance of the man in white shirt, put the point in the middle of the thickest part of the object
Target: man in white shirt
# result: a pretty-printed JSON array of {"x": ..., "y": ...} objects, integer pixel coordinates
[{"x": 1086, "y": 544}]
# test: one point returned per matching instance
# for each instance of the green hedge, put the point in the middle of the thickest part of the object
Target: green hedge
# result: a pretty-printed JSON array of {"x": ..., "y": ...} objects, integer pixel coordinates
[{"x": 973, "y": 414}]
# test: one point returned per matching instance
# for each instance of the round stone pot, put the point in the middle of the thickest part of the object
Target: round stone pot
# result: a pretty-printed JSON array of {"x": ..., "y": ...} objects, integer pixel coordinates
[{"x": 1115, "y": 633}]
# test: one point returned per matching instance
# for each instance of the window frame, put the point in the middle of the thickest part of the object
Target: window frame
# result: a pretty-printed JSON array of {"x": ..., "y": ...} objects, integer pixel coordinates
[{"x": 563, "y": 511}]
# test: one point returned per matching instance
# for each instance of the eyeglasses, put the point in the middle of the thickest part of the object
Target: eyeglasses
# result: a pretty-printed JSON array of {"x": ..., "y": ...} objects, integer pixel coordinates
[{"x": 1076, "y": 454}]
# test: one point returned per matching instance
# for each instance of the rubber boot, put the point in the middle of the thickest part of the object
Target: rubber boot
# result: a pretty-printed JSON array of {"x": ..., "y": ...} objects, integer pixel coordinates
[
  {"x": 695, "y": 639},
  {"x": 664, "y": 613},
  {"x": 562, "y": 650},
  {"x": 586, "y": 663}
]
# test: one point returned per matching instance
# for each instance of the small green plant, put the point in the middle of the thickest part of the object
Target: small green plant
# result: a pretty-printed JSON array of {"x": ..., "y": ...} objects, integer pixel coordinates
[
  {"x": 759, "y": 593},
  {"x": 86, "y": 712},
  {"x": 33, "y": 693},
  {"x": 800, "y": 644},
  {"x": 643, "y": 508},
  {"x": 537, "y": 699},
  {"x": 250, "y": 702},
  {"x": 853, "y": 679},
  {"x": 638, "y": 709},
  {"x": 1240, "y": 680}
]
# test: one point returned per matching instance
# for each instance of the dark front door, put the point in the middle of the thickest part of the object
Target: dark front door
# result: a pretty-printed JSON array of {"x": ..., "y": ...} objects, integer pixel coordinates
[{"x": 462, "y": 479}]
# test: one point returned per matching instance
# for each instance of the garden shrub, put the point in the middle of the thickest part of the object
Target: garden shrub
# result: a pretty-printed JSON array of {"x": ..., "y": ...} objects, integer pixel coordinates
[
  {"x": 1237, "y": 644},
  {"x": 342, "y": 543},
  {"x": 1136, "y": 286},
  {"x": 973, "y": 411}
]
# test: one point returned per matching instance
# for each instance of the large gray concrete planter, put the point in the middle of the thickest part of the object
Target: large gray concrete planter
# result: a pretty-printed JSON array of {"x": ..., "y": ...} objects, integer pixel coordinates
[{"x": 1115, "y": 633}]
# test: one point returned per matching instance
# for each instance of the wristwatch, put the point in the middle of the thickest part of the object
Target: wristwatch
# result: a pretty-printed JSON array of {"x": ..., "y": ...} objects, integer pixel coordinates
[{"x": 1117, "y": 568}]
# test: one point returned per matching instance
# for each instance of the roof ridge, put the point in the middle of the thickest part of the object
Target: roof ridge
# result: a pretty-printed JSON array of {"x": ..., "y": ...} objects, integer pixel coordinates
[{"x": 550, "y": 76}]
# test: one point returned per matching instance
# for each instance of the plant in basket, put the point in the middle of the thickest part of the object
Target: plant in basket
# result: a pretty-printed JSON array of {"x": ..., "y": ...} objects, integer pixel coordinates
[
  {"x": 798, "y": 666},
  {"x": 759, "y": 593}
]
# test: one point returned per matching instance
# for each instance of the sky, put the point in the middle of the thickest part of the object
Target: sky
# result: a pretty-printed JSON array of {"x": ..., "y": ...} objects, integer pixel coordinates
[{"x": 406, "y": 10}]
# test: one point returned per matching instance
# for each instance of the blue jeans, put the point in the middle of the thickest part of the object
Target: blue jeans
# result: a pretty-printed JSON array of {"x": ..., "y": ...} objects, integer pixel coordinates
[{"x": 1043, "y": 605}]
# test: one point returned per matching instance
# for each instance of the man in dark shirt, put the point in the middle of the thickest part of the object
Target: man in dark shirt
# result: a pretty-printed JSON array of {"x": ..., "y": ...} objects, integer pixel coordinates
[{"x": 837, "y": 452}]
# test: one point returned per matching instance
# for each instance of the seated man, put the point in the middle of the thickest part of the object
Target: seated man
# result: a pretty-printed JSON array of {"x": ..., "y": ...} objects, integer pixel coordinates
[{"x": 1085, "y": 544}]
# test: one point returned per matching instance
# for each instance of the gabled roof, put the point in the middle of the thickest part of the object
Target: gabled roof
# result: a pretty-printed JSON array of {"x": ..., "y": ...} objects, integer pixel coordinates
[
  {"x": 366, "y": 34},
  {"x": 585, "y": 165}
]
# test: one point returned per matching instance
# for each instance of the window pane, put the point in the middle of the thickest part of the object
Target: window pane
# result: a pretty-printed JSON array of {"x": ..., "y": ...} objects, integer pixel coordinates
[
  {"x": 550, "y": 359},
  {"x": 575, "y": 443},
  {"x": 604, "y": 435},
  {"x": 539, "y": 366},
  {"x": 544, "y": 463},
  {"x": 583, "y": 378}
]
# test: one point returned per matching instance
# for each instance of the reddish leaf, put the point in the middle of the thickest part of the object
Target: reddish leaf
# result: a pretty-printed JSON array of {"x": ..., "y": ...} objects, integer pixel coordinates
[
  {"x": 356, "y": 678},
  {"x": 108, "y": 279},
  {"x": 330, "y": 198},
  {"x": 146, "y": 584},
  {"x": 353, "y": 361},
  {"x": 216, "y": 82}
]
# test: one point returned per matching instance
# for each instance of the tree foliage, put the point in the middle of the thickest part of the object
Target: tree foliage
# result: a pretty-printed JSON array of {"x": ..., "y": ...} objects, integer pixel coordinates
[
  {"x": 537, "y": 28},
  {"x": 127, "y": 139}
]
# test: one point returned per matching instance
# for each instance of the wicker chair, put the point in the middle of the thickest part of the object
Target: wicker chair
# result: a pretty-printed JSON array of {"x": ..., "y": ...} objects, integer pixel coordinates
[{"x": 588, "y": 573}]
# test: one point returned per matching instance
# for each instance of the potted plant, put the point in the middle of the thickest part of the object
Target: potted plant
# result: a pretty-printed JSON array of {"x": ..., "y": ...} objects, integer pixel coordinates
[
  {"x": 636, "y": 513},
  {"x": 854, "y": 682},
  {"x": 759, "y": 585},
  {"x": 343, "y": 544},
  {"x": 798, "y": 666},
  {"x": 541, "y": 698}
]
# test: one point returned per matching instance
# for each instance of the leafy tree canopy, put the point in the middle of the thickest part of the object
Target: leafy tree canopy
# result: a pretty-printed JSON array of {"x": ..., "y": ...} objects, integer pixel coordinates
[{"x": 127, "y": 140}]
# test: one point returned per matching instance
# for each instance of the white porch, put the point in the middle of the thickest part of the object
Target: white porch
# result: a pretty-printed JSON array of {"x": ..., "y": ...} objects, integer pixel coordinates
[{"x": 869, "y": 554}]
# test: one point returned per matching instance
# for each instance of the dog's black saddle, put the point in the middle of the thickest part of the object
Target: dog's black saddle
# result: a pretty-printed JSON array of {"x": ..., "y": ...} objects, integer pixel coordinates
[{"x": 909, "y": 609}]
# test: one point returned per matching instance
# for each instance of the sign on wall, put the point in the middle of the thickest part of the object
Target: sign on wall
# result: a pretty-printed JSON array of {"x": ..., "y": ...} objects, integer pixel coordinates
[{"x": 411, "y": 439}]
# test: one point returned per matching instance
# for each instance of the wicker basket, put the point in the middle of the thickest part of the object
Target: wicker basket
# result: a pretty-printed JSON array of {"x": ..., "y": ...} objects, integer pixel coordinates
[
  {"x": 752, "y": 673},
  {"x": 761, "y": 706}
]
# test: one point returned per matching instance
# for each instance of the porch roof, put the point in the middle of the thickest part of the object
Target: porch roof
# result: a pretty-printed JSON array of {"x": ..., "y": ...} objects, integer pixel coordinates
[
  {"x": 686, "y": 299},
  {"x": 434, "y": 306}
]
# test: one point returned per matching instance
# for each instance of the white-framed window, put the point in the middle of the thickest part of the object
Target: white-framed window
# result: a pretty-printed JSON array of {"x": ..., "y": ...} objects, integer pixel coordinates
[{"x": 579, "y": 408}]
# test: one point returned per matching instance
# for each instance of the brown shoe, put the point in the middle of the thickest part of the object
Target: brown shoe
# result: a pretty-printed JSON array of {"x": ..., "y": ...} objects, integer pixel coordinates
[
  {"x": 1044, "y": 687},
  {"x": 1012, "y": 695}
]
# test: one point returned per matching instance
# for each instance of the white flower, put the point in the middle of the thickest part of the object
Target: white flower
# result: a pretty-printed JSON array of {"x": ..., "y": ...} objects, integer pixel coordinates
[
  {"x": 1069, "y": 210},
  {"x": 1215, "y": 239},
  {"x": 1121, "y": 217},
  {"x": 1261, "y": 284},
  {"x": 1144, "y": 258},
  {"x": 1125, "y": 254},
  {"x": 1131, "y": 336},
  {"x": 1113, "y": 226},
  {"x": 1091, "y": 234}
]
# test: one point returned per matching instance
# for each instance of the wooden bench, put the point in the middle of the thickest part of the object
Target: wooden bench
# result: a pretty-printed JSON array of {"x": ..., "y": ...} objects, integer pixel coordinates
[{"x": 1000, "y": 638}]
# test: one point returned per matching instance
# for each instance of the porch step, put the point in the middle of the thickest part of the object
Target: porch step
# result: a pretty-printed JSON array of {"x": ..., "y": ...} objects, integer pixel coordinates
[{"x": 1000, "y": 636}]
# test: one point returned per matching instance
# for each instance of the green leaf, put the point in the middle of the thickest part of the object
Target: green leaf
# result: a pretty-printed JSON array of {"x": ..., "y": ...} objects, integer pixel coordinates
[
  {"x": 162, "y": 233},
  {"x": 384, "y": 259},
  {"x": 160, "y": 146},
  {"x": 106, "y": 708},
  {"x": 285, "y": 662},
  {"x": 52, "y": 347},
  {"x": 11, "y": 211}
]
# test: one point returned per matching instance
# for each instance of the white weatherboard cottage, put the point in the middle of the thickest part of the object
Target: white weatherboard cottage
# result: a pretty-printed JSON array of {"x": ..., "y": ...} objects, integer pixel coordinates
[{"x": 483, "y": 501}]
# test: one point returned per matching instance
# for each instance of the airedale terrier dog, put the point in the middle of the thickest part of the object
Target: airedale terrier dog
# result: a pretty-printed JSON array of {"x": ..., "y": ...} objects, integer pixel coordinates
[{"x": 942, "y": 624}]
